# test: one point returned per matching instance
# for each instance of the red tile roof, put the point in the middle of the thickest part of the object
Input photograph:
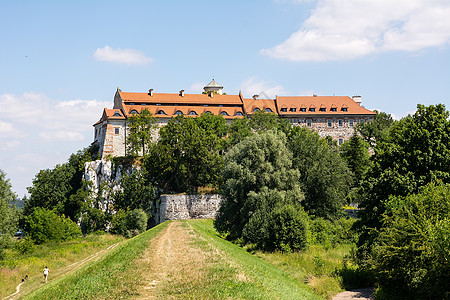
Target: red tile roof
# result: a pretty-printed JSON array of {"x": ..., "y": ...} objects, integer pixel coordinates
[
  {"x": 161, "y": 98},
  {"x": 262, "y": 104},
  {"x": 327, "y": 102}
]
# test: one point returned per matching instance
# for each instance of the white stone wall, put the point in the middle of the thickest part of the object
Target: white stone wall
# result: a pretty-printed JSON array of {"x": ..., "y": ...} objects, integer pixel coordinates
[{"x": 183, "y": 207}]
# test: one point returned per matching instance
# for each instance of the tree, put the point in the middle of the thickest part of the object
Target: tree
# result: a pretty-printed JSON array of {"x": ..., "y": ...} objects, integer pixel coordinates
[
  {"x": 140, "y": 129},
  {"x": 239, "y": 130},
  {"x": 324, "y": 176},
  {"x": 412, "y": 251},
  {"x": 376, "y": 131},
  {"x": 136, "y": 192},
  {"x": 356, "y": 153},
  {"x": 187, "y": 154},
  {"x": 258, "y": 180},
  {"x": 8, "y": 214}
]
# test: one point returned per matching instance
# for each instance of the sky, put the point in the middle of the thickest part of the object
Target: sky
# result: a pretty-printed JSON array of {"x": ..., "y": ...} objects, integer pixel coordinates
[{"x": 62, "y": 61}]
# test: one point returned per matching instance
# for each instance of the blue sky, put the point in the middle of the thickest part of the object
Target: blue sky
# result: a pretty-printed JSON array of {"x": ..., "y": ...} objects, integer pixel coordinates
[{"x": 61, "y": 61}]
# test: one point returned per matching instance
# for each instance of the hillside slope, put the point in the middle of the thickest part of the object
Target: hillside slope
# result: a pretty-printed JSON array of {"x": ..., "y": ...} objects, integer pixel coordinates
[{"x": 179, "y": 259}]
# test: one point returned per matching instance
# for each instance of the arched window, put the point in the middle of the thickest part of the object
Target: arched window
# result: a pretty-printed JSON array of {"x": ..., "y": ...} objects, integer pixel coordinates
[
  {"x": 179, "y": 113},
  {"x": 239, "y": 114},
  {"x": 161, "y": 112},
  {"x": 192, "y": 113},
  {"x": 117, "y": 114},
  {"x": 256, "y": 109},
  {"x": 224, "y": 113},
  {"x": 134, "y": 112},
  {"x": 268, "y": 110},
  {"x": 208, "y": 113}
]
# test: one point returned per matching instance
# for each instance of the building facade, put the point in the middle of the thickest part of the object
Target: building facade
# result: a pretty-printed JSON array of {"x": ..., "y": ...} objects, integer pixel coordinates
[{"x": 333, "y": 116}]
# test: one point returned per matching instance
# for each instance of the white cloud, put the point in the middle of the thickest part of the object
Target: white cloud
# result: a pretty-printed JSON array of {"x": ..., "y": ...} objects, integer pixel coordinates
[
  {"x": 342, "y": 30},
  {"x": 60, "y": 135},
  {"x": 253, "y": 86},
  {"x": 197, "y": 87},
  {"x": 122, "y": 56}
]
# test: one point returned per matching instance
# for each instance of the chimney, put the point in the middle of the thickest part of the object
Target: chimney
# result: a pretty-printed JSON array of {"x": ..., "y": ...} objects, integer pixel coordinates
[
  {"x": 211, "y": 94},
  {"x": 255, "y": 97},
  {"x": 150, "y": 92},
  {"x": 357, "y": 99},
  {"x": 182, "y": 93},
  {"x": 314, "y": 95}
]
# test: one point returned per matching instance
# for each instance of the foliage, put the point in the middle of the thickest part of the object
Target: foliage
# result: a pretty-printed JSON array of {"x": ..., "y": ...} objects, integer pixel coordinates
[
  {"x": 356, "y": 153},
  {"x": 324, "y": 176},
  {"x": 93, "y": 219},
  {"x": 257, "y": 176},
  {"x": 60, "y": 188},
  {"x": 376, "y": 131},
  {"x": 416, "y": 152},
  {"x": 331, "y": 233},
  {"x": 239, "y": 130},
  {"x": 187, "y": 154},
  {"x": 8, "y": 214},
  {"x": 140, "y": 127},
  {"x": 412, "y": 252},
  {"x": 129, "y": 223},
  {"x": 137, "y": 192},
  {"x": 45, "y": 225}
]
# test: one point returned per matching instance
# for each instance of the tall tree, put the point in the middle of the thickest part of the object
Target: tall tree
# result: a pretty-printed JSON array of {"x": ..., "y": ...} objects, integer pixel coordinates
[
  {"x": 324, "y": 176},
  {"x": 8, "y": 214},
  {"x": 356, "y": 153},
  {"x": 140, "y": 132},
  {"x": 376, "y": 131}
]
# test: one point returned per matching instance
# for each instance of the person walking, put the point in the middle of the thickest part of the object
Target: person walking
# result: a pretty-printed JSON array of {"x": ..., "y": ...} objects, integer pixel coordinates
[{"x": 46, "y": 270}]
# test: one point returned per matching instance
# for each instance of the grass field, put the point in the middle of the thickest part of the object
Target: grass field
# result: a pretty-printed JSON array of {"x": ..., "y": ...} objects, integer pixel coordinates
[
  {"x": 182, "y": 260},
  {"x": 57, "y": 256}
]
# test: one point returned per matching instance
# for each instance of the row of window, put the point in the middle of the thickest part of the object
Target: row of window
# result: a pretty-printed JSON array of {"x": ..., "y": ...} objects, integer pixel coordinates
[
  {"x": 329, "y": 122},
  {"x": 191, "y": 113},
  {"x": 312, "y": 109}
]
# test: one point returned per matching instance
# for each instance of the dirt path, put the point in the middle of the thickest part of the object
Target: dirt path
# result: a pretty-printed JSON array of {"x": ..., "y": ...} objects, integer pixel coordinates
[
  {"x": 63, "y": 271},
  {"x": 171, "y": 258},
  {"x": 359, "y": 294}
]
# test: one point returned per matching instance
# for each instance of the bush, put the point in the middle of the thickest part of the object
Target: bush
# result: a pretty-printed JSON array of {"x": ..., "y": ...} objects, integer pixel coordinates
[
  {"x": 24, "y": 246},
  {"x": 94, "y": 220},
  {"x": 129, "y": 223},
  {"x": 329, "y": 233},
  {"x": 44, "y": 225},
  {"x": 412, "y": 252}
]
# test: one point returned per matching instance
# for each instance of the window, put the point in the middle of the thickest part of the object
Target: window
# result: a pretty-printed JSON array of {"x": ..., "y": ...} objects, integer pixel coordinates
[
  {"x": 208, "y": 113},
  {"x": 224, "y": 113},
  {"x": 322, "y": 109},
  {"x": 256, "y": 109},
  {"x": 312, "y": 109},
  {"x": 133, "y": 112},
  {"x": 293, "y": 109},
  {"x": 350, "y": 123},
  {"x": 161, "y": 112},
  {"x": 329, "y": 123},
  {"x": 333, "y": 109},
  {"x": 344, "y": 109},
  {"x": 340, "y": 123},
  {"x": 179, "y": 113},
  {"x": 268, "y": 110},
  {"x": 192, "y": 113},
  {"x": 303, "y": 109},
  {"x": 238, "y": 114},
  {"x": 308, "y": 123},
  {"x": 117, "y": 114},
  {"x": 116, "y": 130},
  {"x": 284, "y": 109},
  {"x": 341, "y": 141}
]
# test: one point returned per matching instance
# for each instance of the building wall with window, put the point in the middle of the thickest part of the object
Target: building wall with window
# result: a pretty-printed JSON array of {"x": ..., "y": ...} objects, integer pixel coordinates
[{"x": 333, "y": 116}]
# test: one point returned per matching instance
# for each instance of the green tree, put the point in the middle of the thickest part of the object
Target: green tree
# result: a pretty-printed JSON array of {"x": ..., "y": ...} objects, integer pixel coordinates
[
  {"x": 45, "y": 225},
  {"x": 324, "y": 176},
  {"x": 258, "y": 177},
  {"x": 8, "y": 214},
  {"x": 376, "y": 131},
  {"x": 356, "y": 153},
  {"x": 187, "y": 154},
  {"x": 412, "y": 251},
  {"x": 140, "y": 132},
  {"x": 239, "y": 130},
  {"x": 136, "y": 193}
]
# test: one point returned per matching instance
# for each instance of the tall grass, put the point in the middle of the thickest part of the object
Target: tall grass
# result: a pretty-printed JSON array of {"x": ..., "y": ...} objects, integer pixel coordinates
[{"x": 58, "y": 256}]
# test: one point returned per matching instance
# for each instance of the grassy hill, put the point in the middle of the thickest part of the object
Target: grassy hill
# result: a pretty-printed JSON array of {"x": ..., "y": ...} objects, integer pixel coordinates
[{"x": 179, "y": 259}]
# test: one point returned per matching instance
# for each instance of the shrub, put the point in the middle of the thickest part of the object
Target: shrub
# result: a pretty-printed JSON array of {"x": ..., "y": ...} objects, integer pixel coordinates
[
  {"x": 129, "y": 223},
  {"x": 94, "y": 220},
  {"x": 24, "y": 246},
  {"x": 44, "y": 225}
]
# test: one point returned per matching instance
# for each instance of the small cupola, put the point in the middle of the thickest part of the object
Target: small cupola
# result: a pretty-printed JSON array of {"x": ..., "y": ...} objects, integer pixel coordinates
[{"x": 214, "y": 87}]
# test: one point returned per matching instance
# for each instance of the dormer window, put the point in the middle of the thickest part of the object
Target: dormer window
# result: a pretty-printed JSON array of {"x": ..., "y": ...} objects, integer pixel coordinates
[
  {"x": 333, "y": 109},
  {"x": 322, "y": 109},
  {"x": 293, "y": 109},
  {"x": 179, "y": 113},
  {"x": 117, "y": 114},
  {"x": 268, "y": 110},
  {"x": 239, "y": 114},
  {"x": 256, "y": 109},
  {"x": 303, "y": 109},
  {"x": 224, "y": 113},
  {"x": 344, "y": 109},
  {"x": 208, "y": 113},
  {"x": 192, "y": 113},
  {"x": 312, "y": 109},
  {"x": 284, "y": 109},
  {"x": 161, "y": 112},
  {"x": 134, "y": 112}
]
